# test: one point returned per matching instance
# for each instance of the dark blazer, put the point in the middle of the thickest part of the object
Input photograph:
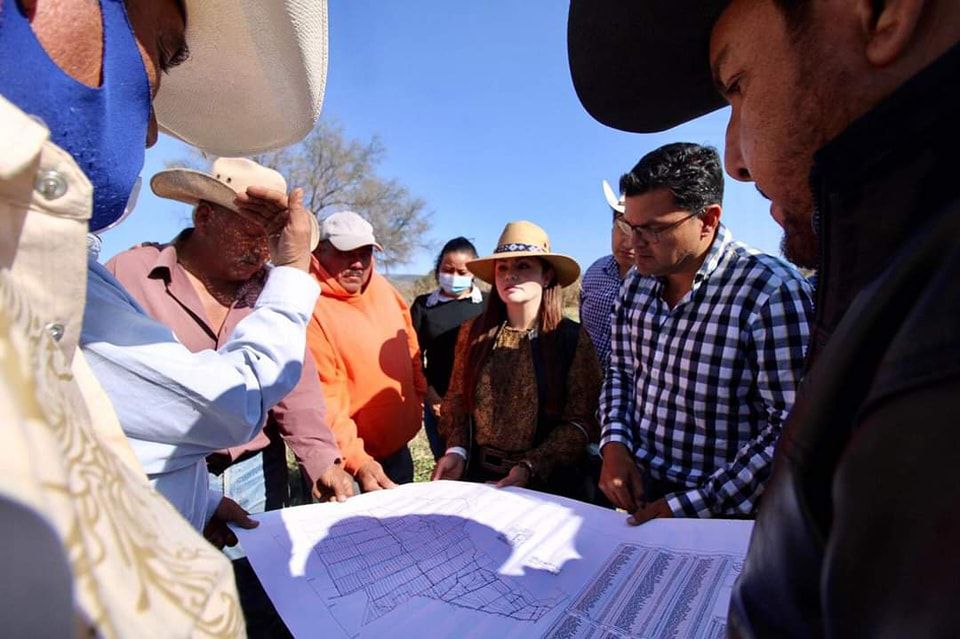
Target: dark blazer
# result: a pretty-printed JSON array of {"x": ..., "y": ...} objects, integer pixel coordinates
[{"x": 858, "y": 534}]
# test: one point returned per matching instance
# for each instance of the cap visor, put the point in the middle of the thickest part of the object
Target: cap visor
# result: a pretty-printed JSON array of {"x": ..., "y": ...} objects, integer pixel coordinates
[{"x": 351, "y": 242}]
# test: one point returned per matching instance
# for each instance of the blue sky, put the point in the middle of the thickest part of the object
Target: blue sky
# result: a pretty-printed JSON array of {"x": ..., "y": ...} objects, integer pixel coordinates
[{"x": 474, "y": 103}]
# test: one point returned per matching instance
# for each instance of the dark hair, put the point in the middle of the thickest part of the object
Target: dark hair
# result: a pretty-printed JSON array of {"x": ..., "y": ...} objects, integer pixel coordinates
[
  {"x": 483, "y": 333},
  {"x": 456, "y": 245},
  {"x": 693, "y": 174},
  {"x": 796, "y": 12}
]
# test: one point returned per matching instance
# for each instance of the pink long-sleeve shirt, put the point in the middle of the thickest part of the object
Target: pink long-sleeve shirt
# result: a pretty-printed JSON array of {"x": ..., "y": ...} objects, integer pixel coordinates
[{"x": 154, "y": 277}]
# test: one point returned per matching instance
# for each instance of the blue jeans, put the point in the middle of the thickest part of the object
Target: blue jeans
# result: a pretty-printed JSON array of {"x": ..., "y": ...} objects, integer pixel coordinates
[{"x": 258, "y": 483}]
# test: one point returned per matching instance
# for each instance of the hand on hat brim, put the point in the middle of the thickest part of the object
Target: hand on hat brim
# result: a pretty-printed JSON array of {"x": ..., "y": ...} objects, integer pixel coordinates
[
  {"x": 265, "y": 207},
  {"x": 287, "y": 224}
]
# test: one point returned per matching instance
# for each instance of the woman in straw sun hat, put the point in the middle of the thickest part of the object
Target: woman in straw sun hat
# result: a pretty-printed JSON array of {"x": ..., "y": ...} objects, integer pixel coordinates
[{"x": 521, "y": 406}]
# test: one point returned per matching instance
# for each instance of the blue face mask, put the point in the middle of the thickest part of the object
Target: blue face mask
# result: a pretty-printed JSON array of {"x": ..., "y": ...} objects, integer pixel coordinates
[
  {"x": 104, "y": 128},
  {"x": 455, "y": 284}
]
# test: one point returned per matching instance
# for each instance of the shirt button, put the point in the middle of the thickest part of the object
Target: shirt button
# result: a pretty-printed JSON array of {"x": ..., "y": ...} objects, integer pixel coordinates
[
  {"x": 55, "y": 329},
  {"x": 51, "y": 185}
]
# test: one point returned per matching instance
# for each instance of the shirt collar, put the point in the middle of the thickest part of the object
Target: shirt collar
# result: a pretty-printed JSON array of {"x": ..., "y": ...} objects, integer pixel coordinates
[
  {"x": 168, "y": 268},
  {"x": 612, "y": 269},
  {"x": 718, "y": 247},
  {"x": 166, "y": 263},
  {"x": 436, "y": 297}
]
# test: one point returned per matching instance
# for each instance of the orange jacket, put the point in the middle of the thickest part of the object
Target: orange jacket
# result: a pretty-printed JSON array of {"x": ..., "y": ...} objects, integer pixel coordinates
[{"x": 368, "y": 360}]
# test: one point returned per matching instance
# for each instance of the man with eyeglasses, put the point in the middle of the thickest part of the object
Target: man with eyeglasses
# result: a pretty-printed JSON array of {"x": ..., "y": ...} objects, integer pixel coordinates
[{"x": 707, "y": 348}]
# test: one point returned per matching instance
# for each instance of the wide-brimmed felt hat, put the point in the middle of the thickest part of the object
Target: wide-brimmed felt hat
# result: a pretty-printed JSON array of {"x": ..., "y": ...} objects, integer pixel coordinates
[
  {"x": 643, "y": 65},
  {"x": 227, "y": 178},
  {"x": 254, "y": 79},
  {"x": 525, "y": 239},
  {"x": 615, "y": 203}
]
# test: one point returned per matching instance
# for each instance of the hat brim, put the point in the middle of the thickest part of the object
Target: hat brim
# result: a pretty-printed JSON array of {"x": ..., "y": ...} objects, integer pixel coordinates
[
  {"x": 255, "y": 77},
  {"x": 643, "y": 66},
  {"x": 190, "y": 186},
  {"x": 612, "y": 200},
  {"x": 564, "y": 266}
]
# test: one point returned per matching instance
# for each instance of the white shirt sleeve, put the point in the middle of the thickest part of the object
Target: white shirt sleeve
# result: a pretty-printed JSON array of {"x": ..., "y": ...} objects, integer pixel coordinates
[{"x": 191, "y": 404}]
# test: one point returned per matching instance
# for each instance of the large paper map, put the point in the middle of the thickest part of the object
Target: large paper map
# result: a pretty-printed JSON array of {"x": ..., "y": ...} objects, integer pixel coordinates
[{"x": 460, "y": 559}]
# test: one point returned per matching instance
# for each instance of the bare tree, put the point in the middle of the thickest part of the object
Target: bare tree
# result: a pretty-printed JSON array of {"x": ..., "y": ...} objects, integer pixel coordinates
[{"x": 339, "y": 174}]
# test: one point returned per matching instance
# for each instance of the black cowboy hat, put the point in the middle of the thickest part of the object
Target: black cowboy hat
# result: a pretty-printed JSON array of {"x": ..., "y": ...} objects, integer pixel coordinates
[{"x": 642, "y": 65}]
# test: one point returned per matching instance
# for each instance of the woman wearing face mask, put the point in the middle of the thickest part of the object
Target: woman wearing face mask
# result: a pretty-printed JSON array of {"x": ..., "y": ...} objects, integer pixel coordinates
[
  {"x": 521, "y": 406},
  {"x": 437, "y": 317}
]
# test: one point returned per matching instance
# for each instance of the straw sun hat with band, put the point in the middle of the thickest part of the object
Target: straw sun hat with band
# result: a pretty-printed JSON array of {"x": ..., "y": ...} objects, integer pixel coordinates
[
  {"x": 525, "y": 239},
  {"x": 228, "y": 177}
]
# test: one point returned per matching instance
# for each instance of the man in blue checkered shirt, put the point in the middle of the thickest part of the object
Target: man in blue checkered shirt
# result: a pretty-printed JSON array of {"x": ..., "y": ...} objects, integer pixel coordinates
[
  {"x": 707, "y": 348},
  {"x": 600, "y": 286}
]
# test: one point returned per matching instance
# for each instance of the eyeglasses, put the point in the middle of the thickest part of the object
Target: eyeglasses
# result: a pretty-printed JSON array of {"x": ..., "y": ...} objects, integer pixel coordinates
[{"x": 648, "y": 235}]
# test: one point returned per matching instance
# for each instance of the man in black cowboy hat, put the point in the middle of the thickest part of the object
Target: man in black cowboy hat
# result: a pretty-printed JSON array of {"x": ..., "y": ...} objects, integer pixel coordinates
[{"x": 844, "y": 115}]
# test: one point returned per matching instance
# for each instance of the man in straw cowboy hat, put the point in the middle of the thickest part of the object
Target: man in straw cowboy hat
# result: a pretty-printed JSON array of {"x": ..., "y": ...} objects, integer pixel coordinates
[
  {"x": 202, "y": 285},
  {"x": 845, "y": 115},
  {"x": 88, "y": 546},
  {"x": 707, "y": 348},
  {"x": 602, "y": 281},
  {"x": 362, "y": 340}
]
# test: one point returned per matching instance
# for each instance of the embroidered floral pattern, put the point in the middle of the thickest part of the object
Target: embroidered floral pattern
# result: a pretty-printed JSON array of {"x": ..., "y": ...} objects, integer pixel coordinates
[{"x": 137, "y": 565}]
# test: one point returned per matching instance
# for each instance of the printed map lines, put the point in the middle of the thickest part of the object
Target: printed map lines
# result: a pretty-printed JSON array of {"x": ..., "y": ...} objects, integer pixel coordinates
[{"x": 393, "y": 559}]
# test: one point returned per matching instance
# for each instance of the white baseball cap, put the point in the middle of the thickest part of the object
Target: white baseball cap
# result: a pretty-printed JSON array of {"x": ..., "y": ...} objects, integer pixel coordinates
[{"x": 347, "y": 231}]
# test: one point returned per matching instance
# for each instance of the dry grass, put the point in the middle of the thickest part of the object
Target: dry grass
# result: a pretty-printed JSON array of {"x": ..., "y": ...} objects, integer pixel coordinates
[{"x": 422, "y": 457}]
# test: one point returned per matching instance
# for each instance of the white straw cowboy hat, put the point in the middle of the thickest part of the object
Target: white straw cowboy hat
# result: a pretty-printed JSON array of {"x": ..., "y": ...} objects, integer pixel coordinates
[
  {"x": 616, "y": 203},
  {"x": 254, "y": 79},
  {"x": 227, "y": 178},
  {"x": 643, "y": 65},
  {"x": 525, "y": 239}
]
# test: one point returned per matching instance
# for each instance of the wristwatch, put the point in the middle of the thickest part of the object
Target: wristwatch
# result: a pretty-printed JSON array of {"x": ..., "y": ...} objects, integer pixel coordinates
[{"x": 525, "y": 463}]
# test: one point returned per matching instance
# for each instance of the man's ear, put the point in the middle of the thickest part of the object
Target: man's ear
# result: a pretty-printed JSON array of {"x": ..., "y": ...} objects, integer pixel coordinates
[
  {"x": 201, "y": 215},
  {"x": 888, "y": 26},
  {"x": 321, "y": 248},
  {"x": 710, "y": 219}
]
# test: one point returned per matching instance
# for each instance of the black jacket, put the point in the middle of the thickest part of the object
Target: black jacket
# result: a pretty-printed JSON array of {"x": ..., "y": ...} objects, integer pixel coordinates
[{"x": 858, "y": 533}]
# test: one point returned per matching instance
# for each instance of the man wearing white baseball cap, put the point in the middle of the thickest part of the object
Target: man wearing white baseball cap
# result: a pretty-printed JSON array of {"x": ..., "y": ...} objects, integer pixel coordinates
[
  {"x": 362, "y": 340},
  {"x": 109, "y": 556}
]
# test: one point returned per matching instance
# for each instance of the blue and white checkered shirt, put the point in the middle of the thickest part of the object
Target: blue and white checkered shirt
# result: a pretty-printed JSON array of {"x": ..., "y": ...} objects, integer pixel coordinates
[
  {"x": 598, "y": 293},
  {"x": 700, "y": 391}
]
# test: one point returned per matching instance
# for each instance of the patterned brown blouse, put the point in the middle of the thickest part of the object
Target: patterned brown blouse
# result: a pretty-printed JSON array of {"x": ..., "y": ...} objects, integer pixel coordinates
[{"x": 505, "y": 416}]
